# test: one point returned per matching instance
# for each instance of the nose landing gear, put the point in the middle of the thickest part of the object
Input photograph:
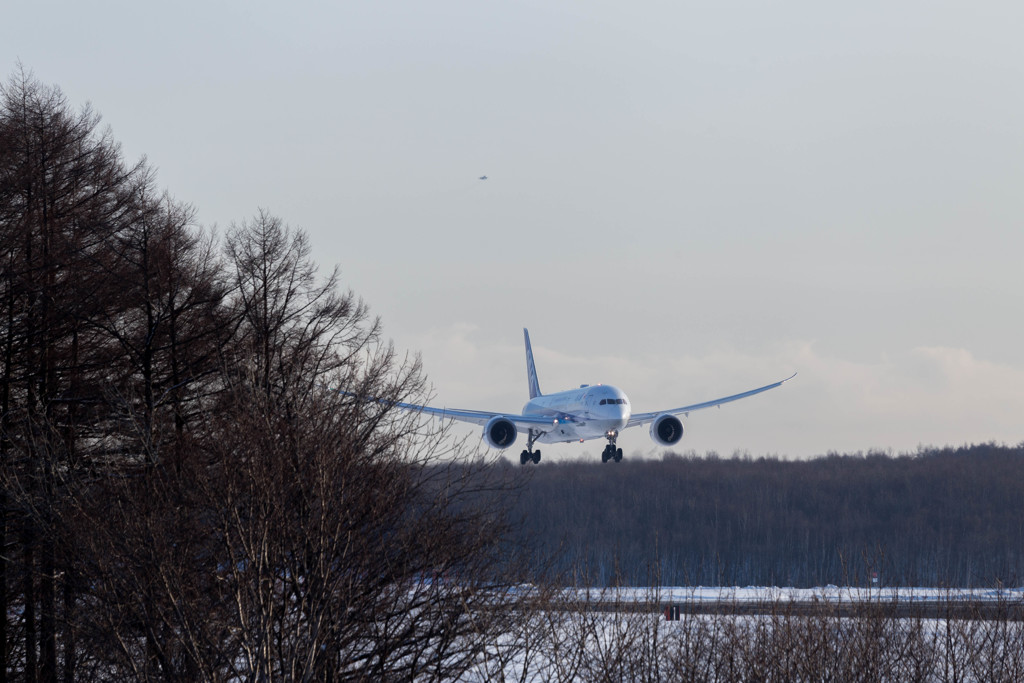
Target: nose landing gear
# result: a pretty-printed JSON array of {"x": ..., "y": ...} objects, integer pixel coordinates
[{"x": 611, "y": 453}]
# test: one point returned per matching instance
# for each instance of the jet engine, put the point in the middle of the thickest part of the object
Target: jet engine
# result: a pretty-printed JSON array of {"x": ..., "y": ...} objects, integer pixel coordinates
[
  {"x": 666, "y": 430},
  {"x": 499, "y": 432}
]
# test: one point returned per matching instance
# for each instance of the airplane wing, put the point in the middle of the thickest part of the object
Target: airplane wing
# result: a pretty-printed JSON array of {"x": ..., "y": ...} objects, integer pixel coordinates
[
  {"x": 523, "y": 423},
  {"x": 480, "y": 417},
  {"x": 643, "y": 418}
]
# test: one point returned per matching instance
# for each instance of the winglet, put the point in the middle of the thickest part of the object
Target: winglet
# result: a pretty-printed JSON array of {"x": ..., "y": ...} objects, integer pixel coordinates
[{"x": 531, "y": 368}]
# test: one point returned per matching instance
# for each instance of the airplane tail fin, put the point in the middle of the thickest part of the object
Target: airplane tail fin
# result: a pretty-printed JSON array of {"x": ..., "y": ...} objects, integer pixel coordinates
[{"x": 531, "y": 368}]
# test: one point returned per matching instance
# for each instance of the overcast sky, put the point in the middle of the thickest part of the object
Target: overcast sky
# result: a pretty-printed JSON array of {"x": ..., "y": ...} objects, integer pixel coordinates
[{"x": 684, "y": 199}]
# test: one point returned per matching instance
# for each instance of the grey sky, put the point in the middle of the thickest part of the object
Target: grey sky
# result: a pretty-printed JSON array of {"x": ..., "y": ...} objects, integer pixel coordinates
[{"x": 684, "y": 199}]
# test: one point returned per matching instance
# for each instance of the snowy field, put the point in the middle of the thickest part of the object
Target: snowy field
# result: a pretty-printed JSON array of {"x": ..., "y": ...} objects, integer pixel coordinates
[
  {"x": 830, "y": 594},
  {"x": 575, "y": 639}
]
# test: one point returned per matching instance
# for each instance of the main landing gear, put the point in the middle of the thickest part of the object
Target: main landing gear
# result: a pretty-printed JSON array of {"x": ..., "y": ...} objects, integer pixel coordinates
[
  {"x": 530, "y": 455},
  {"x": 610, "y": 451}
]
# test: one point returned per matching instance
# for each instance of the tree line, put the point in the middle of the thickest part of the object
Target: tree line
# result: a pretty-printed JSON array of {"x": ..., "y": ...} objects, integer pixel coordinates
[
  {"x": 941, "y": 516},
  {"x": 184, "y": 494}
]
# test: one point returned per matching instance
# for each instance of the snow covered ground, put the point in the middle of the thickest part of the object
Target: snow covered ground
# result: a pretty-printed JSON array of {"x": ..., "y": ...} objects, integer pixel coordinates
[
  {"x": 825, "y": 593},
  {"x": 575, "y": 642}
]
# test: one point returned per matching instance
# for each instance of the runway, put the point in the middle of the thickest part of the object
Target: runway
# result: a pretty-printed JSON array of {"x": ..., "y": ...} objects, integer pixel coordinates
[{"x": 831, "y": 601}]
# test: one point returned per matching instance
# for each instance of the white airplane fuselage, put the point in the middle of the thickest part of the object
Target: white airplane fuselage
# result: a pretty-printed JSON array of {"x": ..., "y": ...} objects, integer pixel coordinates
[{"x": 590, "y": 412}]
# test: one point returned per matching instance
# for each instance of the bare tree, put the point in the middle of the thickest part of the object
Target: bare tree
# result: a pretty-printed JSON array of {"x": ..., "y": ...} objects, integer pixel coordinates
[
  {"x": 176, "y": 462},
  {"x": 161, "y": 319},
  {"x": 303, "y": 532},
  {"x": 293, "y": 326},
  {"x": 64, "y": 192}
]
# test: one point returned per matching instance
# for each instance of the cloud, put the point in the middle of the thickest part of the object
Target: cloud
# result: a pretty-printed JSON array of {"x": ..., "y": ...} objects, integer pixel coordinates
[
  {"x": 928, "y": 395},
  {"x": 925, "y": 395}
]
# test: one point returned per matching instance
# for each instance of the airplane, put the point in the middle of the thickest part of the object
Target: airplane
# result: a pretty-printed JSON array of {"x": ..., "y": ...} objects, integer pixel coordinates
[
  {"x": 483, "y": 177},
  {"x": 590, "y": 412}
]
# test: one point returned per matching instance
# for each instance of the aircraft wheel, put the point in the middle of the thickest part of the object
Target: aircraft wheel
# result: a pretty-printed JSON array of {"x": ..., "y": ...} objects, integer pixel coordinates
[
  {"x": 618, "y": 455},
  {"x": 523, "y": 457},
  {"x": 536, "y": 457},
  {"x": 604, "y": 454}
]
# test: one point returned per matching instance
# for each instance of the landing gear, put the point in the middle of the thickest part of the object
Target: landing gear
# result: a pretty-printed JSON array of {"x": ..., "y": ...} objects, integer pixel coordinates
[
  {"x": 530, "y": 455},
  {"x": 610, "y": 451}
]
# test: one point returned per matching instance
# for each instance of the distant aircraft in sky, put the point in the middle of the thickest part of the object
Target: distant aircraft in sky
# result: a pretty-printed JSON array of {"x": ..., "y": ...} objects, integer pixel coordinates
[
  {"x": 590, "y": 412},
  {"x": 483, "y": 177}
]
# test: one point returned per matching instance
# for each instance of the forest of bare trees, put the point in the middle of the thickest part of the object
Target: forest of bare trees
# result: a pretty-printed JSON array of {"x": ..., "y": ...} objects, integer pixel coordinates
[
  {"x": 185, "y": 496},
  {"x": 938, "y": 517}
]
